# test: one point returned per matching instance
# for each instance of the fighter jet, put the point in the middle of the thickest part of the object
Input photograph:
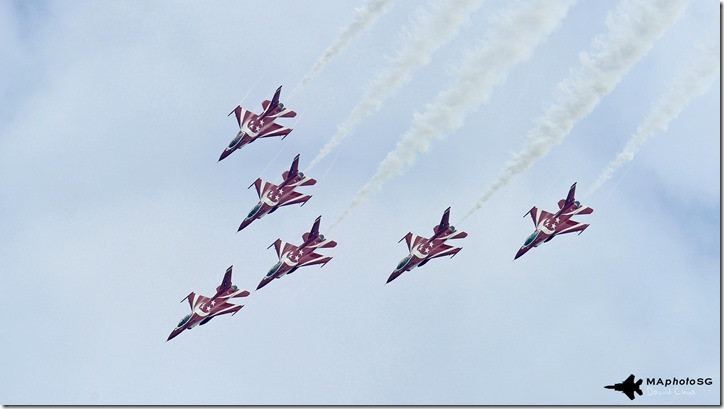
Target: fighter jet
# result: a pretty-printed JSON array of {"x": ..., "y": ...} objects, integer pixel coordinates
[
  {"x": 272, "y": 197},
  {"x": 203, "y": 309},
  {"x": 252, "y": 126},
  {"x": 292, "y": 257},
  {"x": 548, "y": 225},
  {"x": 423, "y": 250},
  {"x": 628, "y": 387}
]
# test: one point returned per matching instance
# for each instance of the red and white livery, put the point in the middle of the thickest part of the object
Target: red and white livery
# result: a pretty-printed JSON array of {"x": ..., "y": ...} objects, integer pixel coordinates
[
  {"x": 253, "y": 126},
  {"x": 203, "y": 309},
  {"x": 549, "y": 225},
  {"x": 423, "y": 250},
  {"x": 292, "y": 257},
  {"x": 272, "y": 197}
]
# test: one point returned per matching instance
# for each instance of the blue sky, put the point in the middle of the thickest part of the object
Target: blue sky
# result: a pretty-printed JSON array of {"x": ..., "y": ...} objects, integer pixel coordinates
[{"x": 113, "y": 116}]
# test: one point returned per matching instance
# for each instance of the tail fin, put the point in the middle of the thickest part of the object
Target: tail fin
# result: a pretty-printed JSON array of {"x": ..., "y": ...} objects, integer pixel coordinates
[
  {"x": 226, "y": 282},
  {"x": 271, "y": 106},
  {"x": 293, "y": 170},
  {"x": 444, "y": 222},
  {"x": 576, "y": 208},
  {"x": 314, "y": 233},
  {"x": 571, "y": 195},
  {"x": 275, "y": 99}
]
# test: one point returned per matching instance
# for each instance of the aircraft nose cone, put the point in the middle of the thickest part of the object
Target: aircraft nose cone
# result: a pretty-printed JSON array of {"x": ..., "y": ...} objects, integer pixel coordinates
[
  {"x": 173, "y": 335},
  {"x": 247, "y": 221},
  {"x": 263, "y": 283},
  {"x": 394, "y": 275},
  {"x": 520, "y": 252},
  {"x": 224, "y": 154}
]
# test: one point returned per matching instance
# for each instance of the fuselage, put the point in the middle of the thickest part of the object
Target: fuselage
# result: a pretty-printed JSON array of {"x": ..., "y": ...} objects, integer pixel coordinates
[
  {"x": 548, "y": 227},
  {"x": 419, "y": 254},
  {"x": 292, "y": 260},
  {"x": 425, "y": 250},
  {"x": 250, "y": 129},
  {"x": 206, "y": 310},
  {"x": 273, "y": 199}
]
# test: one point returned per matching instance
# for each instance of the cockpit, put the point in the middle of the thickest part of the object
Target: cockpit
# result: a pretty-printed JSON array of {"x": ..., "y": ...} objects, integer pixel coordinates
[
  {"x": 403, "y": 262},
  {"x": 235, "y": 140},
  {"x": 234, "y": 287},
  {"x": 301, "y": 175},
  {"x": 254, "y": 210},
  {"x": 281, "y": 106},
  {"x": 321, "y": 237},
  {"x": 531, "y": 238},
  {"x": 577, "y": 204},
  {"x": 183, "y": 321},
  {"x": 452, "y": 228},
  {"x": 274, "y": 269}
]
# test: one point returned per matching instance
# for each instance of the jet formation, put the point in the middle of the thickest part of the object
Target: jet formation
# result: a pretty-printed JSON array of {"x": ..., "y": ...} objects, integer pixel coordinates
[
  {"x": 292, "y": 257},
  {"x": 549, "y": 225}
]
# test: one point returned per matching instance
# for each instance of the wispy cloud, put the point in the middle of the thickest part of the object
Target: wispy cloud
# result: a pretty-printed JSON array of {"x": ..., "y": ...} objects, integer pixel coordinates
[
  {"x": 695, "y": 80},
  {"x": 364, "y": 17},
  {"x": 517, "y": 33},
  {"x": 431, "y": 29},
  {"x": 632, "y": 30}
]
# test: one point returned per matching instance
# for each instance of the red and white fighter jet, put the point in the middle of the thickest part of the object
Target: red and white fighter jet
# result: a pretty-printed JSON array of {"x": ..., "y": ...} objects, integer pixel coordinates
[
  {"x": 272, "y": 197},
  {"x": 549, "y": 225},
  {"x": 253, "y": 126},
  {"x": 292, "y": 257},
  {"x": 203, "y": 309},
  {"x": 423, "y": 250}
]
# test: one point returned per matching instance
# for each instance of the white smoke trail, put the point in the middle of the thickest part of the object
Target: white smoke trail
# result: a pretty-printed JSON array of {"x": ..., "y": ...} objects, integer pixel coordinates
[
  {"x": 632, "y": 30},
  {"x": 364, "y": 17},
  {"x": 516, "y": 35},
  {"x": 694, "y": 81},
  {"x": 431, "y": 29}
]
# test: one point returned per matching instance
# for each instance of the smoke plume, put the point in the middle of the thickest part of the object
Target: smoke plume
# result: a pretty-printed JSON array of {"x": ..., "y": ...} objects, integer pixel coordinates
[
  {"x": 364, "y": 17},
  {"x": 430, "y": 30},
  {"x": 631, "y": 31},
  {"x": 516, "y": 35},
  {"x": 694, "y": 81}
]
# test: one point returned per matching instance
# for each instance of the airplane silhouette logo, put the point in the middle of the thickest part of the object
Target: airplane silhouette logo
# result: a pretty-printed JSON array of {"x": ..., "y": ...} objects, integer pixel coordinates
[{"x": 628, "y": 387}]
